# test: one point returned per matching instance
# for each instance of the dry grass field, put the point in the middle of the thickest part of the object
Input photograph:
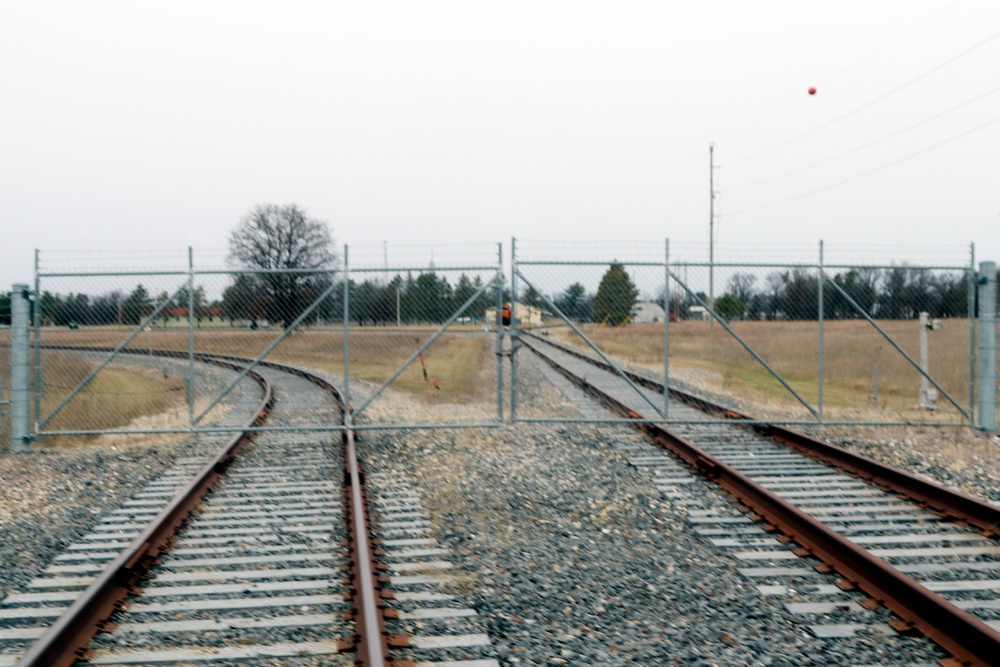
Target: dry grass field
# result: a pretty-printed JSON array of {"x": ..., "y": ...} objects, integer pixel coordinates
[
  {"x": 462, "y": 363},
  {"x": 114, "y": 399},
  {"x": 708, "y": 357}
]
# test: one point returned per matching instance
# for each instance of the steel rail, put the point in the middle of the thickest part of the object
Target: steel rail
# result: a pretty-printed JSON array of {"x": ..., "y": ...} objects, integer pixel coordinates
[
  {"x": 971, "y": 641},
  {"x": 958, "y": 505},
  {"x": 65, "y": 642}
]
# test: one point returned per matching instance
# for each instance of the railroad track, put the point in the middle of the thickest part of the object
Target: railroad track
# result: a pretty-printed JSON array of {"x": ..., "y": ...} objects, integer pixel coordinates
[
  {"x": 263, "y": 553},
  {"x": 811, "y": 510}
]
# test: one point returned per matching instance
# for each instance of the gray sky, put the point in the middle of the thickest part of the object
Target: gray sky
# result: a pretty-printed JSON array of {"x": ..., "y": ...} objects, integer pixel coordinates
[{"x": 129, "y": 125}]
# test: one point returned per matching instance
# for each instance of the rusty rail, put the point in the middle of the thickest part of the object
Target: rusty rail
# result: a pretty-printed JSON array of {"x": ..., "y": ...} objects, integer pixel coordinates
[
  {"x": 955, "y": 504},
  {"x": 65, "y": 642},
  {"x": 966, "y": 637}
]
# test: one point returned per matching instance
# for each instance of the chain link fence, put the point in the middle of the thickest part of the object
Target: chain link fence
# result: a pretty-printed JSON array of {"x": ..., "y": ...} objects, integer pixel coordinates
[
  {"x": 421, "y": 336},
  {"x": 118, "y": 351},
  {"x": 797, "y": 341},
  {"x": 5, "y": 379}
]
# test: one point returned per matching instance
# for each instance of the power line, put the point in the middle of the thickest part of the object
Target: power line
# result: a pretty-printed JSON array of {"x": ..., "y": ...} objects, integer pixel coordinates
[
  {"x": 869, "y": 172},
  {"x": 868, "y": 145},
  {"x": 837, "y": 75},
  {"x": 868, "y": 104}
]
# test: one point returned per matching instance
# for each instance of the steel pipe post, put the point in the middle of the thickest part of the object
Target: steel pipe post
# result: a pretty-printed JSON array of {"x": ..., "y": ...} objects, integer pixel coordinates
[
  {"x": 190, "y": 308},
  {"x": 20, "y": 369},
  {"x": 513, "y": 329},
  {"x": 666, "y": 329},
  {"x": 971, "y": 274},
  {"x": 988, "y": 346},
  {"x": 348, "y": 420},
  {"x": 819, "y": 345},
  {"x": 37, "y": 323},
  {"x": 498, "y": 293}
]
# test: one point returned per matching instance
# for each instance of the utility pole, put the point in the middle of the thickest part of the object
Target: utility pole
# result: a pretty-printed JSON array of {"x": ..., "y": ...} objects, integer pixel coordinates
[{"x": 711, "y": 228}]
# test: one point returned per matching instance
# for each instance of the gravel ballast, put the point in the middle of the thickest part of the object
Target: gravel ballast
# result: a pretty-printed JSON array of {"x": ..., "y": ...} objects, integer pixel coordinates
[
  {"x": 574, "y": 558},
  {"x": 568, "y": 554},
  {"x": 53, "y": 496}
]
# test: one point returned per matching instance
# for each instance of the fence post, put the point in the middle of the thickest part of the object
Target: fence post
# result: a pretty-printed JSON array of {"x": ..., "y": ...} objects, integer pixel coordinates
[
  {"x": 190, "y": 309},
  {"x": 987, "y": 346},
  {"x": 971, "y": 307},
  {"x": 666, "y": 327},
  {"x": 498, "y": 323},
  {"x": 36, "y": 315},
  {"x": 348, "y": 421},
  {"x": 513, "y": 329},
  {"x": 20, "y": 369},
  {"x": 819, "y": 345}
]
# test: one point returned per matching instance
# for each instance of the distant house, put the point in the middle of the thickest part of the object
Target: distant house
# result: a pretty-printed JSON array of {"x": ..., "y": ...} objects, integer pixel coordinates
[
  {"x": 697, "y": 313},
  {"x": 648, "y": 311},
  {"x": 527, "y": 316}
]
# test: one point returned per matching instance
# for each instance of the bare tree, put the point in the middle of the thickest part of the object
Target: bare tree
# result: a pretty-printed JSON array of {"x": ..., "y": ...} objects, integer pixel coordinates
[{"x": 280, "y": 240}]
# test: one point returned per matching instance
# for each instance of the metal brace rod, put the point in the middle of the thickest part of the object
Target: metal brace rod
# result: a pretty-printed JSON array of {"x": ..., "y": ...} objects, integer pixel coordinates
[
  {"x": 121, "y": 346},
  {"x": 607, "y": 360},
  {"x": 253, "y": 364},
  {"x": 854, "y": 304},
  {"x": 746, "y": 346},
  {"x": 420, "y": 350}
]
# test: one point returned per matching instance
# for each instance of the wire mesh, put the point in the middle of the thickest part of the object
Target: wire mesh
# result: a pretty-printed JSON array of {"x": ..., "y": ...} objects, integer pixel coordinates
[
  {"x": 752, "y": 334},
  {"x": 422, "y": 345},
  {"x": 5, "y": 423},
  {"x": 411, "y": 333}
]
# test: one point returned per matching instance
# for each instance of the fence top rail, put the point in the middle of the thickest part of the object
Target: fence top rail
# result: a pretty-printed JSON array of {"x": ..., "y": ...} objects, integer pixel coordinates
[
  {"x": 521, "y": 262},
  {"x": 228, "y": 272},
  {"x": 748, "y": 265},
  {"x": 423, "y": 269},
  {"x": 184, "y": 272},
  {"x": 816, "y": 265}
]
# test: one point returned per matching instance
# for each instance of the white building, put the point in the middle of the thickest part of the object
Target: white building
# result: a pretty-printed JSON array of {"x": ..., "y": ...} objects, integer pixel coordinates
[
  {"x": 697, "y": 313},
  {"x": 527, "y": 316},
  {"x": 647, "y": 311}
]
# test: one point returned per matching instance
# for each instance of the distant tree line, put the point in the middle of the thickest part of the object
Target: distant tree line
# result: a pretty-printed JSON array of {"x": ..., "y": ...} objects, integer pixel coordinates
[
  {"x": 428, "y": 297},
  {"x": 425, "y": 298},
  {"x": 115, "y": 307},
  {"x": 890, "y": 294}
]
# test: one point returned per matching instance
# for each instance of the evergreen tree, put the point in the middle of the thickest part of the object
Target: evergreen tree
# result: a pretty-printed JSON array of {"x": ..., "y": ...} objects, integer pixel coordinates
[{"x": 616, "y": 296}]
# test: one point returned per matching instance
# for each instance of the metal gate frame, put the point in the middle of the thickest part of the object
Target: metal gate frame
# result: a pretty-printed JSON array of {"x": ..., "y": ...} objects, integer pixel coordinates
[
  {"x": 496, "y": 284},
  {"x": 671, "y": 274},
  {"x": 194, "y": 420}
]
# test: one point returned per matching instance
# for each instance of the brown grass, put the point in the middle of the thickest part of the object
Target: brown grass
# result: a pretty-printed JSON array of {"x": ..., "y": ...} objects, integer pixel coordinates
[
  {"x": 113, "y": 399},
  {"x": 709, "y": 356},
  {"x": 458, "y": 361}
]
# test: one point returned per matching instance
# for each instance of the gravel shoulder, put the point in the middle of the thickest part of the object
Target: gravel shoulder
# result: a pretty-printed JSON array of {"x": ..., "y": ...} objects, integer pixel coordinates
[
  {"x": 572, "y": 556},
  {"x": 53, "y": 496},
  {"x": 569, "y": 554}
]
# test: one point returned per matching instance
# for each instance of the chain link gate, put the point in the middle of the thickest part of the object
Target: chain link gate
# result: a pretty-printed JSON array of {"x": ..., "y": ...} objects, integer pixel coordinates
[
  {"x": 117, "y": 352},
  {"x": 425, "y": 327},
  {"x": 416, "y": 343},
  {"x": 789, "y": 342}
]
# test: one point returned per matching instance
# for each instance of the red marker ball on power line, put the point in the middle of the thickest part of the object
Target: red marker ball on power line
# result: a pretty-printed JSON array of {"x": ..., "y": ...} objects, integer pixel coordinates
[{"x": 812, "y": 90}]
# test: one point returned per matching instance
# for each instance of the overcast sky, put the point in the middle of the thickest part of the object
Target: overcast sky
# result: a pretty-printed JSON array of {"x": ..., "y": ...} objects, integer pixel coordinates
[{"x": 140, "y": 125}]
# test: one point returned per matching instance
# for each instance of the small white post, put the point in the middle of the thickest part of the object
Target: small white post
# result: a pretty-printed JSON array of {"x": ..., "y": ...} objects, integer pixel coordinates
[{"x": 928, "y": 396}]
